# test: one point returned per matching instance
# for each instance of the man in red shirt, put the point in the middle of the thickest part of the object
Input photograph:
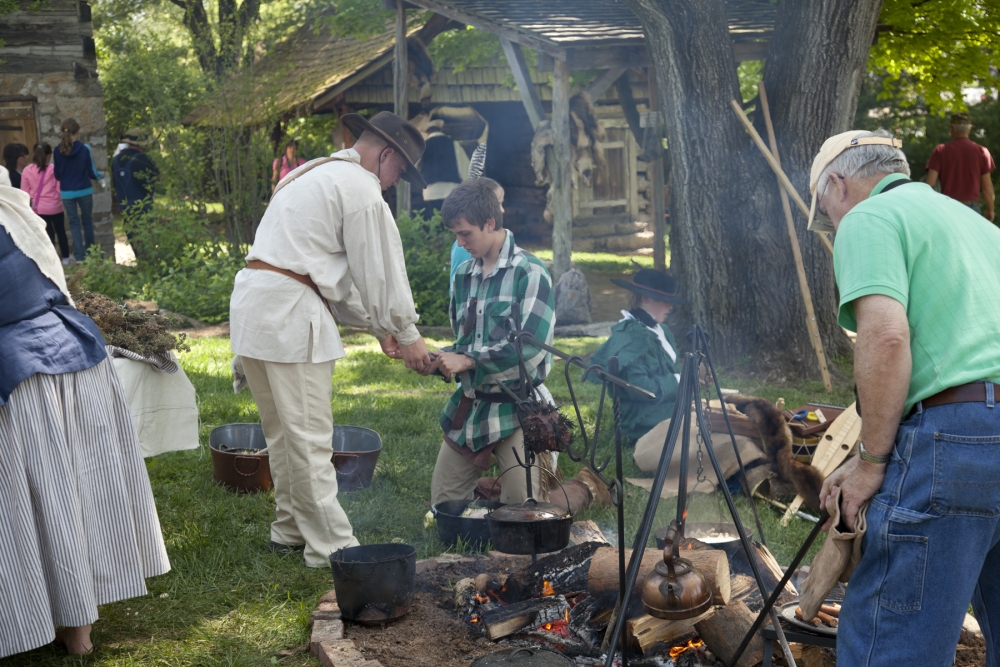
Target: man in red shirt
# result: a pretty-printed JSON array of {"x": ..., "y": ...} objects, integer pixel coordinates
[{"x": 964, "y": 167}]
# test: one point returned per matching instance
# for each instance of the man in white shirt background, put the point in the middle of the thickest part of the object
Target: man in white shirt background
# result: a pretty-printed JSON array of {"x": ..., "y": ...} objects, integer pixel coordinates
[{"x": 326, "y": 250}]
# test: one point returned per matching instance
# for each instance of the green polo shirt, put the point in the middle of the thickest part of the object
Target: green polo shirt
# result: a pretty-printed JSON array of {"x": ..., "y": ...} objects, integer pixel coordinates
[{"x": 941, "y": 260}]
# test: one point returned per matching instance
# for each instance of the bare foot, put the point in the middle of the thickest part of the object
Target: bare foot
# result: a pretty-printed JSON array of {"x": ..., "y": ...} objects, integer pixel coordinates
[{"x": 76, "y": 639}]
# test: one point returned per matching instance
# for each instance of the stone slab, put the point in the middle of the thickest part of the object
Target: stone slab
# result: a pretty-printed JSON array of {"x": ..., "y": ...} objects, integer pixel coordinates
[{"x": 325, "y": 631}]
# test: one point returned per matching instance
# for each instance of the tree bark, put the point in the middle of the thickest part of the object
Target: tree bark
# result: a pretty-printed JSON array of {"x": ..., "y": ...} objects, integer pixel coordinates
[{"x": 730, "y": 249}]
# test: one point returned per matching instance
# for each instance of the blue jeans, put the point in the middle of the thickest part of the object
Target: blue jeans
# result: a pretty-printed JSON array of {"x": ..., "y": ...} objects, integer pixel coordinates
[
  {"x": 931, "y": 545},
  {"x": 84, "y": 216}
]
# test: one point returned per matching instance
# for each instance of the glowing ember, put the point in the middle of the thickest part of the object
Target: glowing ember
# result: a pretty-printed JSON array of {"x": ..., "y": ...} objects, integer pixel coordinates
[
  {"x": 481, "y": 599},
  {"x": 692, "y": 644},
  {"x": 547, "y": 589},
  {"x": 474, "y": 619}
]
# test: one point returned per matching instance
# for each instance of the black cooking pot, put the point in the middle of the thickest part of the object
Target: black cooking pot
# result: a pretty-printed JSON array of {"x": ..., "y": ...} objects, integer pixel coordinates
[
  {"x": 530, "y": 527},
  {"x": 451, "y": 525},
  {"x": 374, "y": 582}
]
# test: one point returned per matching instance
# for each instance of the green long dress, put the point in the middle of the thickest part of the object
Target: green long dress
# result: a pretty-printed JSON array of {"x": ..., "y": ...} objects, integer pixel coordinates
[{"x": 644, "y": 363}]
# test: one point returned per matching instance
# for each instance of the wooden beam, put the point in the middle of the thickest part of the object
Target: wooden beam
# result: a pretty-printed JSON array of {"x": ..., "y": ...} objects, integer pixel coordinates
[
  {"x": 637, "y": 56},
  {"x": 657, "y": 179},
  {"x": 518, "y": 37},
  {"x": 601, "y": 84},
  {"x": 525, "y": 86},
  {"x": 811, "y": 325},
  {"x": 562, "y": 186},
  {"x": 400, "y": 85},
  {"x": 330, "y": 94}
]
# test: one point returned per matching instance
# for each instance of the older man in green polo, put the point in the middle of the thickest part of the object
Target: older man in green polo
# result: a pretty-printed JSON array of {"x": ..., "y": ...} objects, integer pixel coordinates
[{"x": 919, "y": 282}]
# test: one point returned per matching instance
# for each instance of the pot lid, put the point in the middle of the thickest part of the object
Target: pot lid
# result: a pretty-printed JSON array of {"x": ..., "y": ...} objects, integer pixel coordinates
[
  {"x": 523, "y": 657},
  {"x": 530, "y": 510}
]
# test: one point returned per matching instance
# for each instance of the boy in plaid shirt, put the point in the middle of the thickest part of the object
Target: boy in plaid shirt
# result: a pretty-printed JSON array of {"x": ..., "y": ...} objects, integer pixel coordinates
[{"x": 480, "y": 419}]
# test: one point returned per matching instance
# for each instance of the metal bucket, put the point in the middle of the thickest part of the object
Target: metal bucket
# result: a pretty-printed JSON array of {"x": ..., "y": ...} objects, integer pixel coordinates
[
  {"x": 246, "y": 473},
  {"x": 374, "y": 582},
  {"x": 355, "y": 453},
  {"x": 451, "y": 525}
]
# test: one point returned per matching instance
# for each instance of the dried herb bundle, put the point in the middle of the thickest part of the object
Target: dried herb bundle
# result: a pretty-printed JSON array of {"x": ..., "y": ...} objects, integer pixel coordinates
[{"x": 134, "y": 330}]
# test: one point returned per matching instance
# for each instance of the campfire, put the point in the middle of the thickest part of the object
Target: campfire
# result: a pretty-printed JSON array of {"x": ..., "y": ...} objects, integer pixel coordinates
[{"x": 564, "y": 603}]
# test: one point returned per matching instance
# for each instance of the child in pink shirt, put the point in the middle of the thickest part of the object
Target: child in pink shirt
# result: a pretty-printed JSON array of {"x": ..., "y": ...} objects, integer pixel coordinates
[{"x": 39, "y": 181}]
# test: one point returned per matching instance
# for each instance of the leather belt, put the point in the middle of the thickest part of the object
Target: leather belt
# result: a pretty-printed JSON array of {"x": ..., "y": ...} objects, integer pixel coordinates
[
  {"x": 261, "y": 265},
  {"x": 973, "y": 392}
]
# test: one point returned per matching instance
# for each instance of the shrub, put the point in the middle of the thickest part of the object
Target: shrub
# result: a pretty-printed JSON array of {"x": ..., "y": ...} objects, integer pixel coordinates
[{"x": 427, "y": 249}]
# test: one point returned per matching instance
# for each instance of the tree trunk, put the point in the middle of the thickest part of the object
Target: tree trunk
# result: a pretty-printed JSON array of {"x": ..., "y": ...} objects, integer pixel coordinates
[{"x": 730, "y": 249}]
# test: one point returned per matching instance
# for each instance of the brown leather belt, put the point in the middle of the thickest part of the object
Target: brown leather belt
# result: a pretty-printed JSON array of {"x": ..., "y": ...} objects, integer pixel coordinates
[
  {"x": 973, "y": 392},
  {"x": 261, "y": 265}
]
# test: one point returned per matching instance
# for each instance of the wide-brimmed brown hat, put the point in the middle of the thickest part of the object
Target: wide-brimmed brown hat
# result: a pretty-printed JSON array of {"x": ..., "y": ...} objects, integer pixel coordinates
[
  {"x": 655, "y": 284},
  {"x": 400, "y": 134}
]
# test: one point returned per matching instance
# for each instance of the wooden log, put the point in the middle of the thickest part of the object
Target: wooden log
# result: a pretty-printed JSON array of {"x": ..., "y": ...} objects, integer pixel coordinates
[
  {"x": 770, "y": 572},
  {"x": 582, "y": 532},
  {"x": 602, "y": 579},
  {"x": 647, "y": 632},
  {"x": 724, "y": 631},
  {"x": 566, "y": 572},
  {"x": 506, "y": 620},
  {"x": 561, "y": 170}
]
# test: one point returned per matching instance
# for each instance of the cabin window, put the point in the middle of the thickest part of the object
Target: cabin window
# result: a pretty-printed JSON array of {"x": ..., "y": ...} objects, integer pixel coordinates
[{"x": 83, "y": 11}]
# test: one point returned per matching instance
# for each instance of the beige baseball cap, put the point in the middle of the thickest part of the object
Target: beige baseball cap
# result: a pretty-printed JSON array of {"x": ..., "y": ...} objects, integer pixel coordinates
[{"x": 830, "y": 149}]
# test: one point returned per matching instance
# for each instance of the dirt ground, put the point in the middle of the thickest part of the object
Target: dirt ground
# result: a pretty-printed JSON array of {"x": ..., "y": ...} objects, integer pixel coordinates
[
  {"x": 973, "y": 655},
  {"x": 432, "y": 634}
]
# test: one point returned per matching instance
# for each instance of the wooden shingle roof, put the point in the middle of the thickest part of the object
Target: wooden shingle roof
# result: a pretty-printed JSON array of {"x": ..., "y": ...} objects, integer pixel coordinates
[{"x": 553, "y": 26}]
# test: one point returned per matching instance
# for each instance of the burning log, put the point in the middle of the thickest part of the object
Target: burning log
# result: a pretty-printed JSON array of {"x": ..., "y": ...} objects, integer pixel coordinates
[
  {"x": 565, "y": 572},
  {"x": 648, "y": 633},
  {"x": 602, "y": 578},
  {"x": 506, "y": 620},
  {"x": 724, "y": 631}
]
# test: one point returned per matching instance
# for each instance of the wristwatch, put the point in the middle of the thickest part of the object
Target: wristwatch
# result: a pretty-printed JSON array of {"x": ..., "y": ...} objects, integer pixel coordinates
[{"x": 872, "y": 458}]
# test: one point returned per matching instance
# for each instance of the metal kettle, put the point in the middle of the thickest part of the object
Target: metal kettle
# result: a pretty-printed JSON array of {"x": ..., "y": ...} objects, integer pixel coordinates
[{"x": 675, "y": 590}]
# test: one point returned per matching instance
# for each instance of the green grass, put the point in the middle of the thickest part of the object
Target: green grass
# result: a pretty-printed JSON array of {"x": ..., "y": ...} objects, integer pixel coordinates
[
  {"x": 229, "y": 602},
  {"x": 603, "y": 262}
]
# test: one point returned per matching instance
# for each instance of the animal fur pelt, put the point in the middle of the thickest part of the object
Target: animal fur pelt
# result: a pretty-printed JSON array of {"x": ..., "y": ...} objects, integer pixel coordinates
[
  {"x": 777, "y": 439},
  {"x": 586, "y": 154}
]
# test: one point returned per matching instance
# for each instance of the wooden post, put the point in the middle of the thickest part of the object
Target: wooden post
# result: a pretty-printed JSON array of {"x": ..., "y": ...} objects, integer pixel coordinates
[
  {"x": 600, "y": 85},
  {"x": 775, "y": 167},
  {"x": 811, "y": 325},
  {"x": 400, "y": 85},
  {"x": 562, "y": 186},
  {"x": 656, "y": 176},
  {"x": 525, "y": 86}
]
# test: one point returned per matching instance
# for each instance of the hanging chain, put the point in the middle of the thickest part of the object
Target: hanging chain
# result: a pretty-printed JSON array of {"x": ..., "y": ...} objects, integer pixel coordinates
[{"x": 700, "y": 454}]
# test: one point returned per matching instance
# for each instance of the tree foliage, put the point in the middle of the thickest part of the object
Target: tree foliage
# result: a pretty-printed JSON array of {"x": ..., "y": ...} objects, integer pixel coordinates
[{"x": 931, "y": 49}]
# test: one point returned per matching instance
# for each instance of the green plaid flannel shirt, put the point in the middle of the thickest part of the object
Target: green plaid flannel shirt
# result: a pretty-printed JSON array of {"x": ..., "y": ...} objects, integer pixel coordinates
[{"x": 479, "y": 308}]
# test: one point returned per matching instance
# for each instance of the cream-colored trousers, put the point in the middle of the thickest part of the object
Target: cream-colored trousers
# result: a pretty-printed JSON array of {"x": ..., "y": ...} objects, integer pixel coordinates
[
  {"x": 455, "y": 478},
  {"x": 294, "y": 405}
]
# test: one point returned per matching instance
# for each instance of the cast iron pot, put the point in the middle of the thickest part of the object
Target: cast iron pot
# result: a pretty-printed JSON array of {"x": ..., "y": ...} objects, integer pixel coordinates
[
  {"x": 451, "y": 525},
  {"x": 530, "y": 527},
  {"x": 355, "y": 453},
  {"x": 374, "y": 582},
  {"x": 246, "y": 473}
]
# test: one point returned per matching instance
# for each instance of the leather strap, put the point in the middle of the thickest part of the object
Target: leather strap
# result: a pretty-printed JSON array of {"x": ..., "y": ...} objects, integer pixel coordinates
[
  {"x": 261, "y": 265},
  {"x": 307, "y": 167},
  {"x": 973, "y": 392}
]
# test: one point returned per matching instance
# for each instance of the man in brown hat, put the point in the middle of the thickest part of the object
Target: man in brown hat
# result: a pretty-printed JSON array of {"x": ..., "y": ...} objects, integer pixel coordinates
[
  {"x": 327, "y": 250},
  {"x": 963, "y": 167}
]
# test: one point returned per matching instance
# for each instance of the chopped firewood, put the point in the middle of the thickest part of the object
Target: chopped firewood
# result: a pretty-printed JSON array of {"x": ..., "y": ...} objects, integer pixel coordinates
[
  {"x": 582, "y": 532},
  {"x": 724, "y": 631},
  {"x": 508, "y": 619},
  {"x": 603, "y": 577},
  {"x": 564, "y": 572},
  {"x": 648, "y": 632}
]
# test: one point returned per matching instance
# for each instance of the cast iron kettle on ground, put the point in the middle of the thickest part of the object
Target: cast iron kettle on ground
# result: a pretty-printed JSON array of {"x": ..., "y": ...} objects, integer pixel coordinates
[
  {"x": 675, "y": 590},
  {"x": 531, "y": 527}
]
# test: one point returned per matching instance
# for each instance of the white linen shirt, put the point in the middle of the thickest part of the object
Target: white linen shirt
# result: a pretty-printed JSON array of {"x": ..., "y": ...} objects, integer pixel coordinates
[{"x": 331, "y": 224}]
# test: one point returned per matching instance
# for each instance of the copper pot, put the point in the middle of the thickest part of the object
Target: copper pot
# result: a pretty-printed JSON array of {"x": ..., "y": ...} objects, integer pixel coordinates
[{"x": 675, "y": 590}]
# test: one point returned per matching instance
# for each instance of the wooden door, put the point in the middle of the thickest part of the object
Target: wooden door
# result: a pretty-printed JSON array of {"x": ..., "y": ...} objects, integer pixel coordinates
[{"x": 17, "y": 123}]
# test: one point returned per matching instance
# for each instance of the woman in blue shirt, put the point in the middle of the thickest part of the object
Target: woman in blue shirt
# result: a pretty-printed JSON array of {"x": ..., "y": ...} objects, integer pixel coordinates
[
  {"x": 74, "y": 169},
  {"x": 78, "y": 525}
]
